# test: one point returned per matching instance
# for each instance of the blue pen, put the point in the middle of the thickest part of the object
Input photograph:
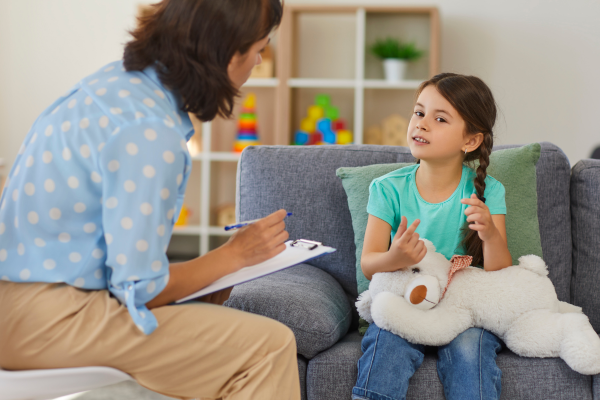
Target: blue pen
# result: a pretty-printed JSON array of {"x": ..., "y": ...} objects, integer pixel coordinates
[{"x": 242, "y": 224}]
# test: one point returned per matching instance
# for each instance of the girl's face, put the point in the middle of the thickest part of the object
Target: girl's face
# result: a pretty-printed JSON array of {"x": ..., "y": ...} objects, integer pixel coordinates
[
  {"x": 240, "y": 66},
  {"x": 436, "y": 131}
]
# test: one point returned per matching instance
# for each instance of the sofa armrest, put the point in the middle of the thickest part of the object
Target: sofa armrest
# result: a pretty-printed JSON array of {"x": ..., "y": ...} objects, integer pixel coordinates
[
  {"x": 306, "y": 299},
  {"x": 585, "y": 225}
]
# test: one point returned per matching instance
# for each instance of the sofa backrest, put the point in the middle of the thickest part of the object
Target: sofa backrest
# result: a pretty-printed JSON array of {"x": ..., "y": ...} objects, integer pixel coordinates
[
  {"x": 585, "y": 214},
  {"x": 302, "y": 180}
]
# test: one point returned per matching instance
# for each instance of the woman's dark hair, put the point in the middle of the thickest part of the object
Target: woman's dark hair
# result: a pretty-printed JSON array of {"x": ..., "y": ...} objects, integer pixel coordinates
[
  {"x": 193, "y": 41},
  {"x": 474, "y": 102}
]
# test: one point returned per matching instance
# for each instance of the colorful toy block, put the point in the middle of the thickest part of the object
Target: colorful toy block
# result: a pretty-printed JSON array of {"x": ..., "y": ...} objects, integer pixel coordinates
[
  {"x": 339, "y": 124},
  {"x": 316, "y": 112},
  {"x": 323, "y": 100},
  {"x": 344, "y": 137},
  {"x": 301, "y": 137},
  {"x": 322, "y": 125}
]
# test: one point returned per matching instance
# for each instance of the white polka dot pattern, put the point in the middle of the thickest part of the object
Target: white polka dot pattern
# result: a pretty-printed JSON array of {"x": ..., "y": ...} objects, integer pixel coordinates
[{"x": 112, "y": 137}]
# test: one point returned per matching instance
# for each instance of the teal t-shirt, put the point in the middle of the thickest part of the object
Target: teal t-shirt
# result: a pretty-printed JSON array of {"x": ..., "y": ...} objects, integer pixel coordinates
[{"x": 394, "y": 195}]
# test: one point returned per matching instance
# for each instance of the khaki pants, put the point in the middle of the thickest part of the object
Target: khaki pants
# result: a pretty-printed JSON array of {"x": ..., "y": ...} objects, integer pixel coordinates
[{"x": 198, "y": 350}]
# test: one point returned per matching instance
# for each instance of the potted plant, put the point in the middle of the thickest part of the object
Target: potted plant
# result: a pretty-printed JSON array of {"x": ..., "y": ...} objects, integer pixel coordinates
[{"x": 395, "y": 55}]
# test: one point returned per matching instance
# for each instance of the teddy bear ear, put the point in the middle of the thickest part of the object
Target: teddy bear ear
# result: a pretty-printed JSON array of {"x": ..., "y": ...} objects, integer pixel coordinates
[{"x": 429, "y": 245}]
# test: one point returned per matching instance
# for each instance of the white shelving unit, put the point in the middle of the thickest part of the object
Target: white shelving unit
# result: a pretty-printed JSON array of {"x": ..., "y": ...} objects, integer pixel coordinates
[{"x": 315, "y": 52}]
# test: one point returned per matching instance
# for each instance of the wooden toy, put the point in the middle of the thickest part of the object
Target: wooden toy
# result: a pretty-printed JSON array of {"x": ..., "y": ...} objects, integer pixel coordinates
[
  {"x": 394, "y": 129},
  {"x": 373, "y": 135},
  {"x": 225, "y": 214},
  {"x": 247, "y": 125},
  {"x": 344, "y": 137},
  {"x": 265, "y": 68}
]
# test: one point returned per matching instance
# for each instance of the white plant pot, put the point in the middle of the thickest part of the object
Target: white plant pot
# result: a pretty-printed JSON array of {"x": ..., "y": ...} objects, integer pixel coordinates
[{"x": 395, "y": 69}]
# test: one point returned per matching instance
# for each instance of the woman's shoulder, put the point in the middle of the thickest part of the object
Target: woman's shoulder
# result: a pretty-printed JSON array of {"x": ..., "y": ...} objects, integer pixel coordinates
[{"x": 400, "y": 174}]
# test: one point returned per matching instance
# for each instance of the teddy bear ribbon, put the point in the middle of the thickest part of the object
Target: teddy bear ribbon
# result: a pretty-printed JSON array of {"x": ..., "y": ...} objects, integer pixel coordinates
[{"x": 458, "y": 263}]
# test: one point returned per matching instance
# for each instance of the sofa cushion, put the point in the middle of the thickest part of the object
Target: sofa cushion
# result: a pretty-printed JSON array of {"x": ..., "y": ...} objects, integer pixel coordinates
[
  {"x": 306, "y": 299},
  {"x": 585, "y": 216},
  {"x": 514, "y": 168},
  {"x": 332, "y": 374}
]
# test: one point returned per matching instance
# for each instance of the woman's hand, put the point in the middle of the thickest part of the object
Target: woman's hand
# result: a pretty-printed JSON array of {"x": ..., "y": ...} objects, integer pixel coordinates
[
  {"x": 406, "y": 247},
  {"x": 217, "y": 298},
  {"x": 259, "y": 241},
  {"x": 479, "y": 213}
]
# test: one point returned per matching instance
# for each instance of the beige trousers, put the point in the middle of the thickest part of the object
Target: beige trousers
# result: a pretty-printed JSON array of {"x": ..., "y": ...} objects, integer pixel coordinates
[{"x": 198, "y": 350}]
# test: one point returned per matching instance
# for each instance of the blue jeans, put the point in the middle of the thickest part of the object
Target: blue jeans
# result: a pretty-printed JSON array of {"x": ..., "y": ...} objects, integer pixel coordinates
[{"x": 466, "y": 366}]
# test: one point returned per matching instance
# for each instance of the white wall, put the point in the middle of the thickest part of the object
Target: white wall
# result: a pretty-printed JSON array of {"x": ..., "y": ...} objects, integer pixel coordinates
[{"x": 539, "y": 57}]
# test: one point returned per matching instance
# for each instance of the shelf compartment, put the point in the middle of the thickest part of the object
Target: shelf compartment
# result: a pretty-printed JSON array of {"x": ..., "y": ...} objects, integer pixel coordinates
[
  {"x": 218, "y": 156},
  {"x": 332, "y": 36},
  {"x": 380, "y": 104},
  {"x": 407, "y": 27}
]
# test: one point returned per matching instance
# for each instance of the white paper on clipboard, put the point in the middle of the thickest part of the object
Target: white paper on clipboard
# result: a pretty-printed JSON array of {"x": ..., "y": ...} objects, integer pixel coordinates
[{"x": 291, "y": 256}]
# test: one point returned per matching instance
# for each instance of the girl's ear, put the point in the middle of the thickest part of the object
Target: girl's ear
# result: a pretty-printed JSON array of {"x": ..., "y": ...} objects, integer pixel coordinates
[{"x": 474, "y": 141}]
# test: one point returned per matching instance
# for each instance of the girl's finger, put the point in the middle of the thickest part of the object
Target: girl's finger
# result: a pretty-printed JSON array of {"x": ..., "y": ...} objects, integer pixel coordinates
[
  {"x": 406, "y": 236},
  {"x": 477, "y": 227},
  {"x": 474, "y": 218}
]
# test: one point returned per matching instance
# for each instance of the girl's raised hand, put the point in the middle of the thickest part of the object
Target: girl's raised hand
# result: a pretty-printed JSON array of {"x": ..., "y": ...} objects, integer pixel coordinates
[
  {"x": 479, "y": 213},
  {"x": 406, "y": 247}
]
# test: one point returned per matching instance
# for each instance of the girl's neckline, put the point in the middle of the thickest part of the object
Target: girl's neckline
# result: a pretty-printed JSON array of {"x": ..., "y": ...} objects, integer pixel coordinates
[{"x": 416, "y": 190}]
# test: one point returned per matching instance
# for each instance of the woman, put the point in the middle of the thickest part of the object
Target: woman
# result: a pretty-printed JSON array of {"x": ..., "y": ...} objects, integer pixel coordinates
[{"x": 90, "y": 206}]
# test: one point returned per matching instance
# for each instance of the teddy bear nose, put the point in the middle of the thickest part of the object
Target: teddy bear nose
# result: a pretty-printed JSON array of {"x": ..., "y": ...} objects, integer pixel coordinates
[{"x": 418, "y": 294}]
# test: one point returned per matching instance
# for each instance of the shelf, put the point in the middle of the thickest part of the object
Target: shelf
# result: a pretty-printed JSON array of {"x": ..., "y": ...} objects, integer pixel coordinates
[
  {"x": 218, "y": 156},
  {"x": 261, "y": 82},
  {"x": 321, "y": 83},
  {"x": 191, "y": 230},
  {"x": 383, "y": 84}
]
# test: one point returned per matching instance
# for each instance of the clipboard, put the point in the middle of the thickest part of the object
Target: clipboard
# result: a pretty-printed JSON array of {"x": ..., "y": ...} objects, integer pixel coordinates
[{"x": 296, "y": 252}]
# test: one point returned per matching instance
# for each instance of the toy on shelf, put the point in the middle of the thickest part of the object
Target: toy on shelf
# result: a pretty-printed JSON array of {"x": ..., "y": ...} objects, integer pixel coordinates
[
  {"x": 226, "y": 214},
  {"x": 247, "y": 125},
  {"x": 265, "y": 68},
  {"x": 391, "y": 132},
  {"x": 323, "y": 125},
  {"x": 184, "y": 216}
]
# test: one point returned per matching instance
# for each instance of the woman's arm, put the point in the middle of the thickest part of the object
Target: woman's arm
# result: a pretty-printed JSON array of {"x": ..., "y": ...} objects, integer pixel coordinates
[
  {"x": 379, "y": 256},
  {"x": 248, "y": 246}
]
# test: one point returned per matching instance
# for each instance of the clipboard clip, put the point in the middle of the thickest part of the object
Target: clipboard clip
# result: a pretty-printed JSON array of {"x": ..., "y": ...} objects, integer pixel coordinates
[{"x": 307, "y": 244}]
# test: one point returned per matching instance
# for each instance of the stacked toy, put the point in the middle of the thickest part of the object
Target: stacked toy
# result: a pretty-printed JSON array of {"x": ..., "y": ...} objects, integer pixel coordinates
[
  {"x": 323, "y": 125},
  {"x": 247, "y": 125}
]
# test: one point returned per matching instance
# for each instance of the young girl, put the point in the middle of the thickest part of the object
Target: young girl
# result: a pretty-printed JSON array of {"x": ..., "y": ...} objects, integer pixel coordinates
[{"x": 461, "y": 210}]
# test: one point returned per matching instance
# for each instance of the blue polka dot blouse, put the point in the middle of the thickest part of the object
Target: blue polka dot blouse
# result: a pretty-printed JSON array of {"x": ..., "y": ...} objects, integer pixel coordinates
[{"x": 98, "y": 183}]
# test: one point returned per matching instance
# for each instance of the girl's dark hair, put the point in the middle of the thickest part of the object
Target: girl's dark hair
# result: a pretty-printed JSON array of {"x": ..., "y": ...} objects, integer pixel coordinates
[
  {"x": 473, "y": 100},
  {"x": 193, "y": 41}
]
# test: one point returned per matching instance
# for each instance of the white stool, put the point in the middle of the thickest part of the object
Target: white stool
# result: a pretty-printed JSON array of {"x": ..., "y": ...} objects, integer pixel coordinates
[{"x": 44, "y": 384}]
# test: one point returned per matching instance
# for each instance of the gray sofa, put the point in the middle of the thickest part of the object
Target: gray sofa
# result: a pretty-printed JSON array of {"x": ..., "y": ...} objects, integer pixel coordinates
[{"x": 316, "y": 299}]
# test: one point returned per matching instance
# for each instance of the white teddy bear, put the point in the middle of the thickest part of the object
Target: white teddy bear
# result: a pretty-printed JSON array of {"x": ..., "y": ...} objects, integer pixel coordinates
[{"x": 518, "y": 304}]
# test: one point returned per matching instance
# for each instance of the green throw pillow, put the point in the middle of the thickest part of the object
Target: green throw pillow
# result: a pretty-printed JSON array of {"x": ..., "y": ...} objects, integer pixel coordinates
[{"x": 514, "y": 168}]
